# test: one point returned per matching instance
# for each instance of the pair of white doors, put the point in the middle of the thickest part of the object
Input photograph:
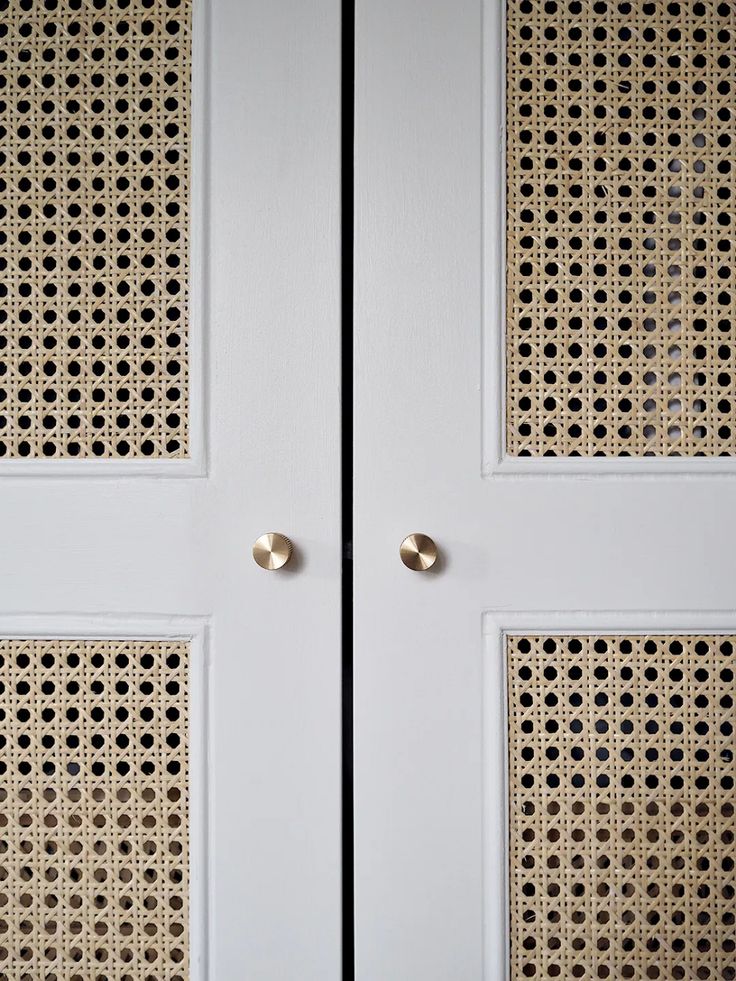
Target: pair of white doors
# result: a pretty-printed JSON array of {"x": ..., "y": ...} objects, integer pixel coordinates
[{"x": 541, "y": 722}]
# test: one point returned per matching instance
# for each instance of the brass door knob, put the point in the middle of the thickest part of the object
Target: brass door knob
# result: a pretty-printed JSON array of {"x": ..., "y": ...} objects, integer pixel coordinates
[
  {"x": 272, "y": 551},
  {"x": 418, "y": 552}
]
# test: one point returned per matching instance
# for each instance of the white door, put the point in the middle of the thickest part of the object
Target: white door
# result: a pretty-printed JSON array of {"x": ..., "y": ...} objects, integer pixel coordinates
[
  {"x": 170, "y": 793},
  {"x": 544, "y": 385}
]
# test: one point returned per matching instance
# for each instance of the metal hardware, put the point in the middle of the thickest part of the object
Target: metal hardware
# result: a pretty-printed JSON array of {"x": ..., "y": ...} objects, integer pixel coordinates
[
  {"x": 418, "y": 552},
  {"x": 272, "y": 551}
]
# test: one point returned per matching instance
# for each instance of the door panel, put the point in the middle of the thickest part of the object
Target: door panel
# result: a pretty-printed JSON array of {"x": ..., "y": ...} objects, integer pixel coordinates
[
  {"x": 96, "y": 243},
  {"x": 219, "y": 201},
  {"x": 95, "y": 806},
  {"x": 618, "y": 235},
  {"x": 533, "y": 546},
  {"x": 620, "y": 805}
]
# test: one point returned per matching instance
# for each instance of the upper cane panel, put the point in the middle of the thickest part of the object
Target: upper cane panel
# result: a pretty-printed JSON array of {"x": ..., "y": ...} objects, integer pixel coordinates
[
  {"x": 94, "y": 216},
  {"x": 620, "y": 228}
]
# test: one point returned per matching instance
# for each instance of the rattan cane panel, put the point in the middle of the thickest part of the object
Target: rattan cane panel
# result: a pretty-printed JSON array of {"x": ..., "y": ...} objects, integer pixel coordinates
[
  {"x": 94, "y": 217},
  {"x": 620, "y": 326},
  {"x": 93, "y": 810},
  {"x": 621, "y": 807}
]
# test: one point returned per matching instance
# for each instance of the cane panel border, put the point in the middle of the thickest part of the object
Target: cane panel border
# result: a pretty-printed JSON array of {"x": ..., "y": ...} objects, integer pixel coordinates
[
  {"x": 621, "y": 807},
  {"x": 620, "y": 324}
]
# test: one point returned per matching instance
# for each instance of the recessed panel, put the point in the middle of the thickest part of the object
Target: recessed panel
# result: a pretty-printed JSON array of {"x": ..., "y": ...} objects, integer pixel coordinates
[
  {"x": 94, "y": 228},
  {"x": 620, "y": 229},
  {"x": 621, "y": 807},
  {"x": 94, "y": 849}
]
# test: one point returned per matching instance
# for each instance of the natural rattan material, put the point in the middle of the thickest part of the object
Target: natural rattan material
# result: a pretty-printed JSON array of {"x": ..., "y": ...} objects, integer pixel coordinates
[
  {"x": 94, "y": 218},
  {"x": 93, "y": 810},
  {"x": 620, "y": 240},
  {"x": 621, "y": 808}
]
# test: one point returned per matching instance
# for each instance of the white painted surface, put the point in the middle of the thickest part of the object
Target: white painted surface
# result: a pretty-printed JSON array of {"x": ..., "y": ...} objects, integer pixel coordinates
[
  {"x": 143, "y": 550},
  {"x": 427, "y": 739}
]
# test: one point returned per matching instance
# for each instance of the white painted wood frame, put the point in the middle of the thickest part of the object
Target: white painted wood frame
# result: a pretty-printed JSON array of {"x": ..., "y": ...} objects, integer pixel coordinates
[
  {"x": 101, "y": 548},
  {"x": 429, "y": 717}
]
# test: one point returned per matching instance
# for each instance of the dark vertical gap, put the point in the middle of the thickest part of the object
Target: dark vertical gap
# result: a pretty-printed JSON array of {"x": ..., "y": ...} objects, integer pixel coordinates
[{"x": 347, "y": 269}]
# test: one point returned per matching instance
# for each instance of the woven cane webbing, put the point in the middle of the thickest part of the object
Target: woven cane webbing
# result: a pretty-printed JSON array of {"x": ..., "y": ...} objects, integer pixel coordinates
[
  {"x": 94, "y": 216},
  {"x": 93, "y": 810},
  {"x": 621, "y": 808},
  {"x": 620, "y": 239}
]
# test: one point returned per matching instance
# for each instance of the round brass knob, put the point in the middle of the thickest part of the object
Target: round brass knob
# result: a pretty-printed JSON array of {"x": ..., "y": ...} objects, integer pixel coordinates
[
  {"x": 272, "y": 551},
  {"x": 418, "y": 552}
]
